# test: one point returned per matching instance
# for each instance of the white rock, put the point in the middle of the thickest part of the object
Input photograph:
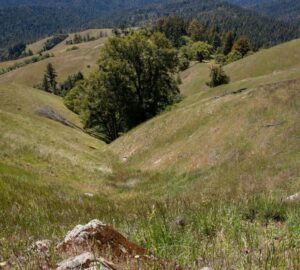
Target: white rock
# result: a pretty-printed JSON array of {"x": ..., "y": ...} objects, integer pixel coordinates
[
  {"x": 88, "y": 194},
  {"x": 293, "y": 198},
  {"x": 81, "y": 261},
  {"x": 206, "y": 268},
  {"x": 80, "y": 231}
]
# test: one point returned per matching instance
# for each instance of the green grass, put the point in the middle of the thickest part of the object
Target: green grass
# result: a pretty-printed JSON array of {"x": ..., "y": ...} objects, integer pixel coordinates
[{"x": 215, "y": 162}]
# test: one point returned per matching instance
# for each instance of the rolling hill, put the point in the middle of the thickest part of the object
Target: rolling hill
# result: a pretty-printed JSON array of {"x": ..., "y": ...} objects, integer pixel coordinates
[
  {"x": 222, "y": 158},
  {"x": 65, "y": 60}
]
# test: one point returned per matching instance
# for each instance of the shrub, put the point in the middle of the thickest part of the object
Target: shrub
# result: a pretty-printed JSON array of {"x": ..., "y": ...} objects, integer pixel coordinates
[
  {"x": 233, "y": 56},
  {"x": 201, "y": 51},
  {"x": 217, "y": 76}
]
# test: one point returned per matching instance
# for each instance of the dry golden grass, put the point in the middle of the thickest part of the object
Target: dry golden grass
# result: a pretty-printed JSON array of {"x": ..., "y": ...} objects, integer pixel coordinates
[{"x": 65, "y": 62}]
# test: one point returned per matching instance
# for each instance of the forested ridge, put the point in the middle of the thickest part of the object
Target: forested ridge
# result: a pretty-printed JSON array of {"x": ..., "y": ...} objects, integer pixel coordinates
[
  {"x": 27, "y": 21},
  {"x": 261, "y": 30},
  {"x": 285, "y": 10}
]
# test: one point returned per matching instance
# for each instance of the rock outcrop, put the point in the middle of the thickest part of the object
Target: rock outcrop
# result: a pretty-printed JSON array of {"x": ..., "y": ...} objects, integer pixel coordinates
[
  {"x": 99, "y": 238},
  {"x": 87, "y": 246}
]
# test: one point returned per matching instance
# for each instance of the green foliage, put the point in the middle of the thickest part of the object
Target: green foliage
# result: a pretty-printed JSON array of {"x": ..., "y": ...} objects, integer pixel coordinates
[
  {"x": 228, "y": 43},
  {"x": 49, "y": 83},
  {"x": 233, "y": 56},
  {"x": 201, "y": 51},
  {"x": 220, "y": 59},
  {"x": 242, "y": 45},
  {"x": 14, "y": 52},
  {"x": 85, "y": 38},
  {"x": 71, "y": 81},
  {"x": 195, "y": 30},
  {"x": 184, "y": 62},
  {"x": 26, "y": 62},
  {"x": 29, "y": 22},
  {"x": 76, "y": 98},
  {"x": 135, "y": 82},
  {"x": 173, "y": 27},
  {"x": 52, "y": 42},
  {"x": 217, "y": 76}
]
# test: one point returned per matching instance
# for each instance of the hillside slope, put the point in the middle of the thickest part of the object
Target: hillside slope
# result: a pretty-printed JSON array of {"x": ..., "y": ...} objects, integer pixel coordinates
[
  {"x": 65, "y": 61},
  {"x": 221, "y": 161},
  {"x": 222, "y": 133}
]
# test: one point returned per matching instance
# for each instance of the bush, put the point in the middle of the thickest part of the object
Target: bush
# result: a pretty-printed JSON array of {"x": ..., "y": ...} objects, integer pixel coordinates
[
  {"x": 201, "y": 51},
  {"x": 184, "y": 62},
  {"x": 233, "y": 56},
  {"x": 220, "y": 59},
  {"x": 217, "y": 76}
]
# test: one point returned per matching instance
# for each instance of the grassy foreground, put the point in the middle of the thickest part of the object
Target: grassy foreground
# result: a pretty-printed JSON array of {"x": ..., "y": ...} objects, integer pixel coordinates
[{"x": 220, "y": 162}]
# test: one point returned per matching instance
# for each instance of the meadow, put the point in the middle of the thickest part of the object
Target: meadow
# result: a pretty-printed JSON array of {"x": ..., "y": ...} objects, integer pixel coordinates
[{"x": 221, "y": 161}]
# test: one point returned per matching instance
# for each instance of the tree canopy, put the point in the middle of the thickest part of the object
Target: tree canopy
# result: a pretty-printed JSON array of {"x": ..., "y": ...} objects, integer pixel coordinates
[{"x": 135, "y": 81}]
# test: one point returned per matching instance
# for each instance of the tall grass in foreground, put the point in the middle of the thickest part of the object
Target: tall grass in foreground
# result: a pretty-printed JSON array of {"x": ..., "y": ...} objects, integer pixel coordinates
[{"x": 255, "y": 232}]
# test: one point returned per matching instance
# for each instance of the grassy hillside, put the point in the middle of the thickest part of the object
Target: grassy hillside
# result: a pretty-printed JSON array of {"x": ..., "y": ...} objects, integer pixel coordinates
[
  {"x": 221, "y": 160},
  {"x": 65, "y": 61}
]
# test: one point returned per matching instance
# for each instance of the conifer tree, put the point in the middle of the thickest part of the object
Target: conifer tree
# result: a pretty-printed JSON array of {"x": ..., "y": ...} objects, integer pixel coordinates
[
  {"x": 45, "y": 84},
  {"x": 195, "y": 30},
  {"x": 51, "y": 77},
  {"x": 228, "y": 43}
]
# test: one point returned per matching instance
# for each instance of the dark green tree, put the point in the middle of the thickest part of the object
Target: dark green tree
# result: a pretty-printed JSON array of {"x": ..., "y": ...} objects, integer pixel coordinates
[
  {"x": 45, "y": 84},
  {"x": 135, "y": 82},
  {"x": 216, "y": 42},
  {"x": 51, "y": 76},
  {"x": 174, "y": 27},
  {"x": 228, "y": 43}
]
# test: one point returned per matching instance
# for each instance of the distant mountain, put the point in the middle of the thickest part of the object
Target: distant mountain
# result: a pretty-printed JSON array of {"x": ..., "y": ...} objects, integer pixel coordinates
[
  {"x": 262, "y": 30},
  {"x": 29, "y": 20},
  {"x": 285, "y": 10}
]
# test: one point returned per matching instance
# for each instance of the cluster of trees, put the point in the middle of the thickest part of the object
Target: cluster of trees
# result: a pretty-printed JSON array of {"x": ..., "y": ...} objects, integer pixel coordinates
[
  {"x": 49, "y": 82},
  {"x": 85, "y": 38},
  {"x": 15, "y": 52},
  {"x": 135, "y": 81},
  {"x": 52, "y": 42},
  {"x": 198, "y": 42},
  {"x": 69, "y": 83}
]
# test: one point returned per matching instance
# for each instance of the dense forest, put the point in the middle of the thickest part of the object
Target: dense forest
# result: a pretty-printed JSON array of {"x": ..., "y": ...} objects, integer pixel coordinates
[
  {"x": 262, "y": 31},
  {"x": 285, "y": 10},
  {"x": 37, "y": 19}
]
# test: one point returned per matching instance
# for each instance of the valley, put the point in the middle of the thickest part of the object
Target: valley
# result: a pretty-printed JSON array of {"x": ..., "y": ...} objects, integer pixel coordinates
[{"x": 223, "y": 159}]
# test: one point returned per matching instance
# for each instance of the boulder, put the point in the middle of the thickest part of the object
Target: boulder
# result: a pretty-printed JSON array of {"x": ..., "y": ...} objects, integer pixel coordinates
[
  {"x": 98, "y": 237},
  {"x": 81, "y": 261},
  {"x": 87, "y": 261}
]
